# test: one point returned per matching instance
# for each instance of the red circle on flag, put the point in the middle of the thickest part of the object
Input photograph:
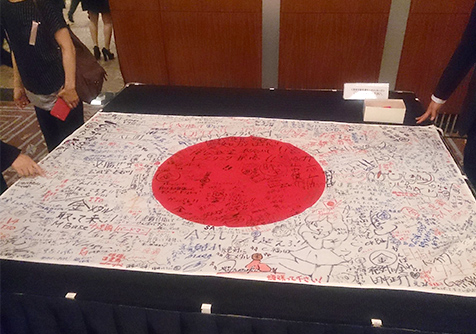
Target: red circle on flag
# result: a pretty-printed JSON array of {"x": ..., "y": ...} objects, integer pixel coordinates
[{"x": 238, "y": 182}]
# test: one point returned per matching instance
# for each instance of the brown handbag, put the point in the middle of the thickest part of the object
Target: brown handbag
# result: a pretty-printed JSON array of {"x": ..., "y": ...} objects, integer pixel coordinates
[{"x": 90, "y": 75}]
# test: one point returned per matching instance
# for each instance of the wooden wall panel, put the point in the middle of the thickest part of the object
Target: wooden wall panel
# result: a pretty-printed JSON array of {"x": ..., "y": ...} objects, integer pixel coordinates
[
  {"x": 334, "y": 6},
  {"x": 140, "y": 50},
  {"x": 189, "y": 42},
  {"x": 213, "y": 49},
  {"x": 134, "y": 5},
  {"x": 211, "y": 6},
  {"x": 434, "y": 29},
  {"x": 442, "y": 6},
  {"x": 320, "y": 50}
]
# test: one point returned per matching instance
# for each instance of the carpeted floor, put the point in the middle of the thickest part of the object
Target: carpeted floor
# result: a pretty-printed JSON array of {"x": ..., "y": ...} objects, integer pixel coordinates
[{"x": 20, "y": 128}]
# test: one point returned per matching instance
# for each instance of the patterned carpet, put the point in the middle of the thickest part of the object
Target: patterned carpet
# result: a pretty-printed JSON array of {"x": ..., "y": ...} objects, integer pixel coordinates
[{"x": 20, "y": 128}]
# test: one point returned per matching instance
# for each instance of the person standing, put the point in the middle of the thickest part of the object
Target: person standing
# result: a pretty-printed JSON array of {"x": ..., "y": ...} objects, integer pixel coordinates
[
  {"x": 44, "y": 64},
  {"x": 94, "y": 8},
  {"x": 460, "y": 64}
]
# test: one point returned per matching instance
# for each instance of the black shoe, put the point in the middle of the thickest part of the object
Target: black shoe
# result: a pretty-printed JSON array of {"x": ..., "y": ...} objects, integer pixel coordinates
[
  {"x": 107, "y": 54},
  {"x": 97, "y": 53},
  {"x": 70, "y": 17}
]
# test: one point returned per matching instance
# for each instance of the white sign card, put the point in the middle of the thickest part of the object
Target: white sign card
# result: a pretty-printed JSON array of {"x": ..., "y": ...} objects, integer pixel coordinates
[{"x": 366, "y": 91}]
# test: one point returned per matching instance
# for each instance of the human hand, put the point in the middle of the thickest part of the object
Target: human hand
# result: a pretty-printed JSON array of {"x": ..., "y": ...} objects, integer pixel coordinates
[
  {"x": 25, "y": 166},
  {"x": 20, "y": 98},
  {"x": 432, "y": 111},
  {"x": 70, "y": 96}
]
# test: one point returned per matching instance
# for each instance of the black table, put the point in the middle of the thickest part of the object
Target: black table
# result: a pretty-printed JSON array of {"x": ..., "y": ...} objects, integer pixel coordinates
[
  {"x": 322, "y": 105},
  {"x": 33, "y": 292}
]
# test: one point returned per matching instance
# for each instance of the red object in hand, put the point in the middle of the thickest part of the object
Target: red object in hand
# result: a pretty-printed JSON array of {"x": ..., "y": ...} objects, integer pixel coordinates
[{"x": 60, "y": 109}]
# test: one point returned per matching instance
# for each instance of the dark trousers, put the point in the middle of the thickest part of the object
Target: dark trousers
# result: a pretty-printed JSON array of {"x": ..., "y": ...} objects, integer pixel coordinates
[
  {"x": 55, "y": 130},
  {"x": 6, "y": 57},
  {"x": 3, "y": 184},
  {"x": 470, "y": 155}
]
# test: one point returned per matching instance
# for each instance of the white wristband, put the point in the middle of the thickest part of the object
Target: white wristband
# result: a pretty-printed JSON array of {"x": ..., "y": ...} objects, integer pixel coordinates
[{"x": 437, "y": 100}]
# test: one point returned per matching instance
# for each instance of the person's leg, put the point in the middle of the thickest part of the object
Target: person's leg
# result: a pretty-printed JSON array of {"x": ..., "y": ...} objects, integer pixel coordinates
[
  {"x": 6, "y": 57},
  {"x": 470, "y": 155},
  {"x": 55, "y": 130},
  {"x": 72, "y": 8},
  {"x": 48, "y": 128},
  {"x": 93, "y": 26},
  {"x": 3, "y": 184},
  {"x": 467, "y": 125},
  {"x": 74, "y": 120},
  {"x": 93, "y": 29},
  {"x": 107, "y": 20}
]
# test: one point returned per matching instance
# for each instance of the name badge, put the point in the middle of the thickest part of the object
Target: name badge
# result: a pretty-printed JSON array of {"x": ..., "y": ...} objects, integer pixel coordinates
[{"x": 33, "y": 32}]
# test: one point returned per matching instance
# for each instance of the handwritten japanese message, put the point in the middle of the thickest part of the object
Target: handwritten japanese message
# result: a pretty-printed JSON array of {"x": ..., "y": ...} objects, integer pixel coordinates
[{"x": 393, "y": 210}]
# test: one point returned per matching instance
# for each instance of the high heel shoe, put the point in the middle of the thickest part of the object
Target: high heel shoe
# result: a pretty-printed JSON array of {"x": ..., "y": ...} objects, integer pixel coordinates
[
  {"x": 97, "y": 53},
  {"x": 107, "y": 54}
]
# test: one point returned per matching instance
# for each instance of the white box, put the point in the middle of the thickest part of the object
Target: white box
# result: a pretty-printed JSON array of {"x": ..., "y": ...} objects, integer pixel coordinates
[{"x": 384, "y": 111}]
